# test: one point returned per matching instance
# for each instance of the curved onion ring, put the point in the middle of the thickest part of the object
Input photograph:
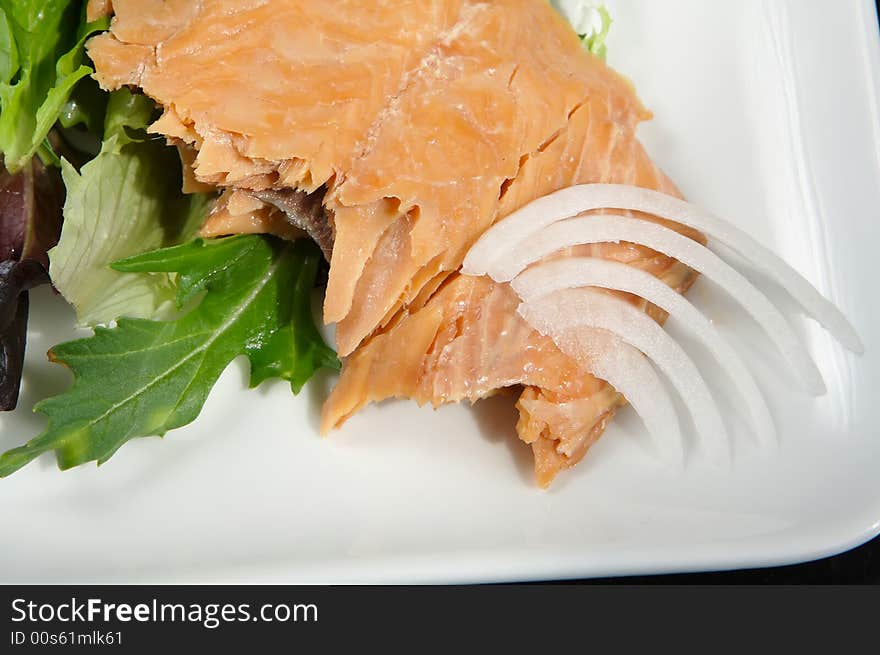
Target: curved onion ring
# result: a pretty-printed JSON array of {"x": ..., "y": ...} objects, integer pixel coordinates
[
  {"x": 557, "y": 313},
  {"x": 631, "y": 374},
  {"x": 610, "y": 228},
  {"x": 495, "y": 245},
  {"x": 548, "y": 277}
]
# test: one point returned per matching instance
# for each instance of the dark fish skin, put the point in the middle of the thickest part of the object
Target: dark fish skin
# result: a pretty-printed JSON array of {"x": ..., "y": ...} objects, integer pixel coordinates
[{"x": 305, "y": 211}]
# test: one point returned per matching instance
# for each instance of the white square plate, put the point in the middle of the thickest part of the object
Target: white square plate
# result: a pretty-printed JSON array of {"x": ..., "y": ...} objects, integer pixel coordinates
[{"x": 767, "y": 112}]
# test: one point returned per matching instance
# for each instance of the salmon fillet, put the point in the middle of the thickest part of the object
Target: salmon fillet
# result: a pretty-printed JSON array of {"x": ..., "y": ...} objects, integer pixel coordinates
[
  {"x": 96, "y": 9},
  {"x": 420, "y": 123},
  {"x": 468, "y": 341}
]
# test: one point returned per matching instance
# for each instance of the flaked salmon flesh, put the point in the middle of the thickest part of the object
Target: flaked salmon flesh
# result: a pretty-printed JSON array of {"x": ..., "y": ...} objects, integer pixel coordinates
[{"x": 421, "y": 123}]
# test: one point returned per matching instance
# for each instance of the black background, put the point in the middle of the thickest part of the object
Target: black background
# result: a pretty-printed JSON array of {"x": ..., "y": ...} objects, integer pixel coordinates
[{"x": 859, "y": 566}]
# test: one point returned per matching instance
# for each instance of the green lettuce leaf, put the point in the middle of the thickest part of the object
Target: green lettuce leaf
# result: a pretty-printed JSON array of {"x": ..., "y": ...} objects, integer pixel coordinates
[
  {"x": 590, "y": 19},
  {"x": 8, "y": 49},
  {"x": 42, "y": 43},
  {"x": 595, "y": 41},
  {"x": 127, "y": 200},
  {"x": 144, "y": 378}
]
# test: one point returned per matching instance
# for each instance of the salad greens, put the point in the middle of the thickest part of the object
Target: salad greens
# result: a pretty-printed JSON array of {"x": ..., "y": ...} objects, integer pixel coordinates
[
  {"x": 169, "y": 311},
  {"x": 124, "y": 201},
  {"x": 41, "y": 62},
  {"x": 595, "y": 41},
  {"x": 144, "y": 378},
  {"x": 591, "y": 20},
  {"x": 42, "y": 44}
]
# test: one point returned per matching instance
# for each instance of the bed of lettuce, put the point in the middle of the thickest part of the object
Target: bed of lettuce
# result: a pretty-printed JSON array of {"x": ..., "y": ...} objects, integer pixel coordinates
[{"x": 92, "y": 204}]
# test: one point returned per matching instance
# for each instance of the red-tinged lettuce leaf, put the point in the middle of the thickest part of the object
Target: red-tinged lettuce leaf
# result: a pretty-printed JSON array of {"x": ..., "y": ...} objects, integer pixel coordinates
[
  {"x": 30, "y": 222},
  {"x": 15, "y": 280},
  {"x": 30, "y": 212},
  {"x": 145, "y": 378},
  {"x": 12, "y": 346}
]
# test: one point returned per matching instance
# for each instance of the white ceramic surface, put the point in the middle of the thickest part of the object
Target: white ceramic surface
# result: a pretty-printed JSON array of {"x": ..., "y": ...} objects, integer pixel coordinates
[{"x": 766, "y": 112}]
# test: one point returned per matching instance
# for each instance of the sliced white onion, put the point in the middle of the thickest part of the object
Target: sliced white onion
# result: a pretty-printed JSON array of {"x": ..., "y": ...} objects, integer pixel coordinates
[
  {"x": 567, "y": 309},
  {"x": 575, "y": 272},
  {"x": 494, "y": 246},
  {"x": 631, "y": 374},
  {"x": 610, "y": 228}
]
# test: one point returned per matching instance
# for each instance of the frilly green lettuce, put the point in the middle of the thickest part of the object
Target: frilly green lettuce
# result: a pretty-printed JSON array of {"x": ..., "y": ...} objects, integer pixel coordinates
[
  {"x": 41, "y": 62},
  {"x": 144, "y": 378},
  {"x": 126, "y": 201}
]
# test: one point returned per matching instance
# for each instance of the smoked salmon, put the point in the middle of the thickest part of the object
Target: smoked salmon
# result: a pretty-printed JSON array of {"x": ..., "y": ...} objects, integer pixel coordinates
[{"x": 417, "y": 124}]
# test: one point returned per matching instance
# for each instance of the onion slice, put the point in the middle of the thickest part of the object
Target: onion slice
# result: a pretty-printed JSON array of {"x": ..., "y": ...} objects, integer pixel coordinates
[
  {"x": 495, "y": 245},
  {"x": 631, "y": 374},
  {"x": 567, "y": 309},
  {"x": 611, "y": 228},
  {"x": 575, "y": 272}
]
